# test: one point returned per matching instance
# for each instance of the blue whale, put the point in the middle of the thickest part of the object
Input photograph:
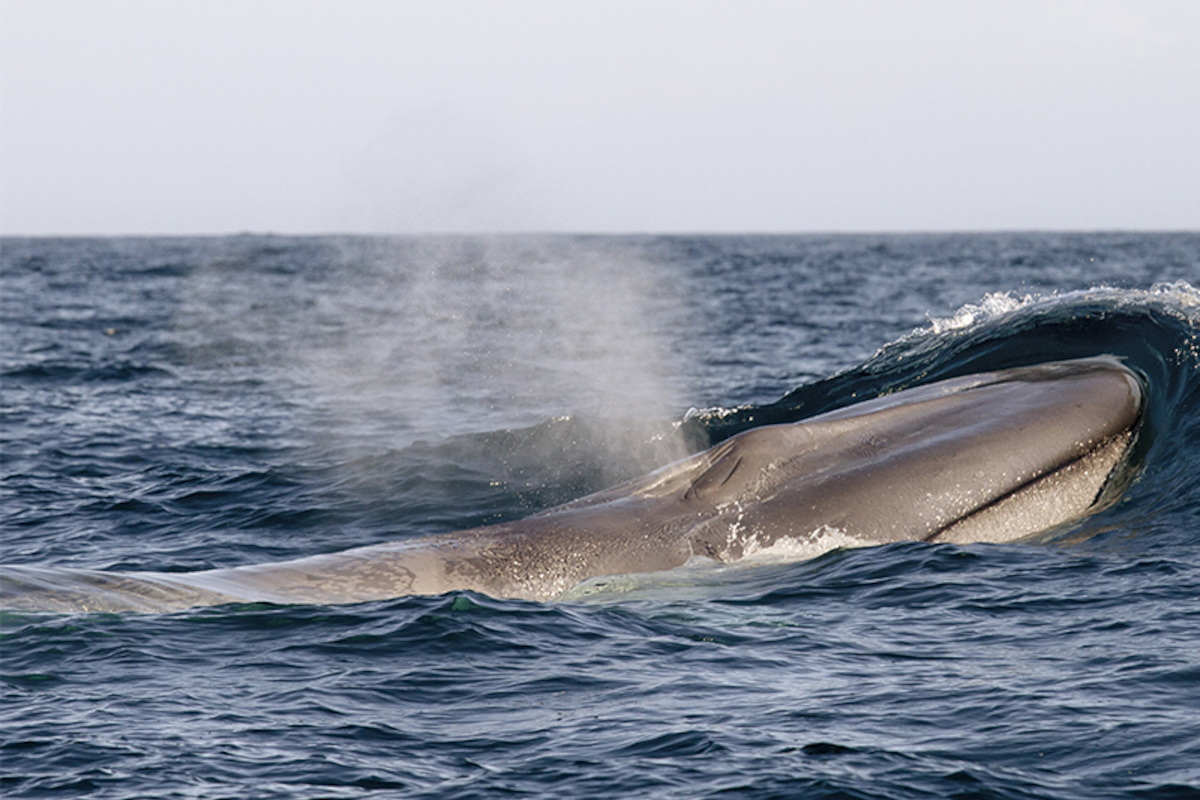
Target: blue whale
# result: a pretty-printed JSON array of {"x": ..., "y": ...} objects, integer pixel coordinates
[{"x": 991, "y": 457}]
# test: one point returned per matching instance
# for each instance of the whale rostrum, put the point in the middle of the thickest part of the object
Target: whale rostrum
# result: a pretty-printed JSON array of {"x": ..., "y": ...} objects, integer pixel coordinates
[{"x": 990, "y": 457}]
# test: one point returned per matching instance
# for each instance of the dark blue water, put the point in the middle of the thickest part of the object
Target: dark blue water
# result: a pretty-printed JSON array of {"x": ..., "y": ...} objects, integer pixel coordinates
[{"x": 192, "y": 403}]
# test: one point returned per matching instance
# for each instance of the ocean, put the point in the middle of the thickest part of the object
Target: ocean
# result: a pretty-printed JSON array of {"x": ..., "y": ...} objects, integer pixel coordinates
[{"x": 190, "y": 403}]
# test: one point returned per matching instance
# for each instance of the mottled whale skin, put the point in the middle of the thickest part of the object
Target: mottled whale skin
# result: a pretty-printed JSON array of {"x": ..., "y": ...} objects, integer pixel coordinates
[{"x": 992, "y": 457}]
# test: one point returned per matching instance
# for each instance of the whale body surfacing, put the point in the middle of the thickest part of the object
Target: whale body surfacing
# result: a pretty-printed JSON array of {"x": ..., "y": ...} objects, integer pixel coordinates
[{"x": 991, "y": 457}]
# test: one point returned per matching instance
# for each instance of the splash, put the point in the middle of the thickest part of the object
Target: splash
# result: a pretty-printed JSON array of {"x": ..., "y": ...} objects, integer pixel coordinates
[
  {"x": 1177, "y": 297},
  {"x": 992, "y": 305}
]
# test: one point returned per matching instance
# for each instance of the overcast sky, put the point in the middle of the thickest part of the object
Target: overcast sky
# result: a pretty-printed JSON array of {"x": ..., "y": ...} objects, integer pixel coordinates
[{"x": 303, "y": 116}]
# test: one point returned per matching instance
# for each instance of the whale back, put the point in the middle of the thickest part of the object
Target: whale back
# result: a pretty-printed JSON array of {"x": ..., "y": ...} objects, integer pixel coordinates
[{"x": 990, "y": 457}]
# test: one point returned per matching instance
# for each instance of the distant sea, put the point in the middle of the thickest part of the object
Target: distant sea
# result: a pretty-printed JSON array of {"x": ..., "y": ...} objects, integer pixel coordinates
[{"x": 181, "y": 404}]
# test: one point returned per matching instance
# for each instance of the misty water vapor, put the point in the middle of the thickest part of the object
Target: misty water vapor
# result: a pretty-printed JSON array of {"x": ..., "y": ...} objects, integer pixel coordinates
[{"x": 454, "y": 333}]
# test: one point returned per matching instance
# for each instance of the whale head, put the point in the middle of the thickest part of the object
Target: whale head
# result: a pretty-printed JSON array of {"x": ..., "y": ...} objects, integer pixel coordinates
[{"x": 991, "y": 457}]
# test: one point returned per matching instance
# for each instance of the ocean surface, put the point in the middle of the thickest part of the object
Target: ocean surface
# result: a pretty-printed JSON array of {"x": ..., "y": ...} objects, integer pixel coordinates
[{"x": 182, "y": 404}]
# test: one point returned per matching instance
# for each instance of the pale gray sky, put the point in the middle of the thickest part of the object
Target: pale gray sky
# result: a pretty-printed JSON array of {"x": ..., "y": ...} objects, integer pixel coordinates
[{"x": 305, "y": 116}]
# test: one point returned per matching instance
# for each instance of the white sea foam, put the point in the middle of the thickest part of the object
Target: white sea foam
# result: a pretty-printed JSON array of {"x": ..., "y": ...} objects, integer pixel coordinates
[
  {"x": 1177, "y": 297},
  {"x": 787, "y": 549},
  {"x": 701, "y": 573}
]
